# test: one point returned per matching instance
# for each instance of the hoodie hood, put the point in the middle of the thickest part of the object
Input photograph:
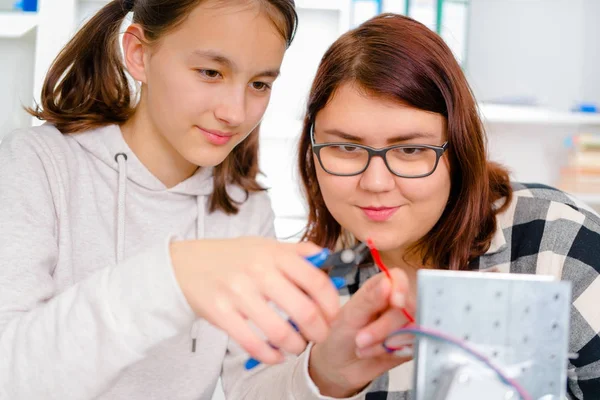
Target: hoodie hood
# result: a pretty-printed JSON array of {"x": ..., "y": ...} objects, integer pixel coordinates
[
  {"x": 88, "y": 233},
  {"x": 108, "y": 146}
]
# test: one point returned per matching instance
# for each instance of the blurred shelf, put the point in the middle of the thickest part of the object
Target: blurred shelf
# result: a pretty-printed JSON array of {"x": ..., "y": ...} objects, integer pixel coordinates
[
  {"x": 16, "y": 24},
  {"x": 508, "y": 114}
]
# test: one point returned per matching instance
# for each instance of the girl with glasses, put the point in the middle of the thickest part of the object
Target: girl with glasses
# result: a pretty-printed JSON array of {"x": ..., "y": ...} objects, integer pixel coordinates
[{"x": 393, "y": 149}]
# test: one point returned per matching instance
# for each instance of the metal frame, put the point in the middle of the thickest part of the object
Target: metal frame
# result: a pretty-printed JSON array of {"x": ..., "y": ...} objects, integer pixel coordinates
[{"x": 519, "y": 321}]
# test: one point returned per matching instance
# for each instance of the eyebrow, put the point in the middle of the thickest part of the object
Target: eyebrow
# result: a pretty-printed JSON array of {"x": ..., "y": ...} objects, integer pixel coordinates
[
  {"x": 230, "y": 64},
  {"x": 395, "y": 139}
]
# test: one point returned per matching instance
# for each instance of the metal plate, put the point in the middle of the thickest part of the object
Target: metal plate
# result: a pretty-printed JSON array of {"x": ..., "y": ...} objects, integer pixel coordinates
[{"x": 520, "y": 322}]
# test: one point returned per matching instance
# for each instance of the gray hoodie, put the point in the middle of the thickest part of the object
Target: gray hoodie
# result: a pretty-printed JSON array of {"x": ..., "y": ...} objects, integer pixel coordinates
[{"x": 89, "y": 305}]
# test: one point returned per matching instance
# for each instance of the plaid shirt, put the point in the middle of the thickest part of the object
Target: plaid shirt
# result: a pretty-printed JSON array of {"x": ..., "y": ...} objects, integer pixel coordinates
[{"x": 544, "y": 231}]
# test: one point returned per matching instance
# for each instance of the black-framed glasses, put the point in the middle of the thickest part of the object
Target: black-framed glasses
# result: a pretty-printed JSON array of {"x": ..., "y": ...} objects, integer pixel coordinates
[{"x": 404, "y": 160}]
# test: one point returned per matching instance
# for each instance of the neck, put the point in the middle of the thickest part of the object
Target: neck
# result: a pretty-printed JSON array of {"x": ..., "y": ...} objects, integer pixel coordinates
[{"x": 154, "y": 151}]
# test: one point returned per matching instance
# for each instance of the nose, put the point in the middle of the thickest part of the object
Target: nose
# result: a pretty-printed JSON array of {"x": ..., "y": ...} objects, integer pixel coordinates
[
  {"x": 231, "y": 109},
  {"x": 377, "y": 177}
]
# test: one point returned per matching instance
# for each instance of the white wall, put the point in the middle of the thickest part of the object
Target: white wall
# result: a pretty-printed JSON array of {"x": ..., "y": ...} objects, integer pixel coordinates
[
  {"x": 545, "y": 50},
  {"x": 531, "y": 48},
  {"x": 395, "y": 6},
  {"x": 282, "y": 125},
  {"x": 591, "y": 65},
  {"x": 87, "y": 8},
  {"x": 16, "y": 86},
  {"x": 317, "y": 29}
]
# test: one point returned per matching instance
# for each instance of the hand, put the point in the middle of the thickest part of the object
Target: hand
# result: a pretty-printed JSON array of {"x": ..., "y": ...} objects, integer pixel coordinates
[
  {"x": 339, "y": 366},
  {"x": 231, "y": 282}
]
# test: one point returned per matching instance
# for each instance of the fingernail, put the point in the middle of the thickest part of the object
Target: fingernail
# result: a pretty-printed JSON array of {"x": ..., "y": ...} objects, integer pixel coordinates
[
  {"x": 398, "y": 299},
  {"x": 338, "y": 282},
  {"x": 399, "y": 341},
  {"x": 363, "y": 339},
  {"x": 402, "y": 352}
]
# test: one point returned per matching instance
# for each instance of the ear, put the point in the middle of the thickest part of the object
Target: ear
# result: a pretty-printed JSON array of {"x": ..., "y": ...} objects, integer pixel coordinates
[{"x": 134, "y": 52}]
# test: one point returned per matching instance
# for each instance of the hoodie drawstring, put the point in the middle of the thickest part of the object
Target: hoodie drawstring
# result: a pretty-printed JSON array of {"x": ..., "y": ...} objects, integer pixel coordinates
[
  {"x": 121, "y": 159},
  {"x": 200, "y": 204},
  {"x": 200, "y": 200}
]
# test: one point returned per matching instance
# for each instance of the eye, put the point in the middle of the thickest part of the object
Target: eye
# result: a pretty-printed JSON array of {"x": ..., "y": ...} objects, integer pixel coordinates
[
  {"x": 261, "y": 86},
  {"x": 410, "y": 150},
  {"x": 347, "y": 148},
  {"x": 209, "y": 73}
]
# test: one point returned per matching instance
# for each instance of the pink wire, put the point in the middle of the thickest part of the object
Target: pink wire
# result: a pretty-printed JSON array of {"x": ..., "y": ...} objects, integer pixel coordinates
[
  {"x": 419, "y": 331},
  {"x": 410, "y": 327}
]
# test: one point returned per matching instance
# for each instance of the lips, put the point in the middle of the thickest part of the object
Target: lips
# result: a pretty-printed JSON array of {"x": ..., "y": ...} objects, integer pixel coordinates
[
  {"x": 218, "y": 133},
  {"x": 217, "y": 138},
  {"x": 379, "y": 214}
]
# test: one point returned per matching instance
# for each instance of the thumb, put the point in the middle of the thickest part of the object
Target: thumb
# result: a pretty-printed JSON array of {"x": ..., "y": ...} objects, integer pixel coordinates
[
  {"x": 304, "y": 249},
  {"x": 370, "y": 300}
]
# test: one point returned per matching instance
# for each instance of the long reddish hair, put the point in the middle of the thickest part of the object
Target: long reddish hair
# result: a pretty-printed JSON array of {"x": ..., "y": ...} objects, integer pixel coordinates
[{"x": 395, "y": 57}]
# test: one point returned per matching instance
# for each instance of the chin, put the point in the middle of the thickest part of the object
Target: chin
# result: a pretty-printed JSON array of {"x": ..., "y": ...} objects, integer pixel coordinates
[
  {"x": 383, "y": 240},
  {"x": 206, "y": 160}
]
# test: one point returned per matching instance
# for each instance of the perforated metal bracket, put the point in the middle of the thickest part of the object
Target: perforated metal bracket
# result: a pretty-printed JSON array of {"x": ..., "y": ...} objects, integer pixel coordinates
[
  {"x": 468, "y": 383},
  {"x": 520, "y": 322}
]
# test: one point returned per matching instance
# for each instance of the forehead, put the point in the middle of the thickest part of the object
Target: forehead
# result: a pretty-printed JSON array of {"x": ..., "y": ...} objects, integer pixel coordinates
[
  {"x": 355, "y": 112},
  {"x": 240, "y": 30}
]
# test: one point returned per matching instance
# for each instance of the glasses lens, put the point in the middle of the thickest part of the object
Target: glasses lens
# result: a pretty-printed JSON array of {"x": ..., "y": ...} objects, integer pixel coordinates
[
  {"x": 344, "y": 159},
  {"x": 411, "y": 161}
]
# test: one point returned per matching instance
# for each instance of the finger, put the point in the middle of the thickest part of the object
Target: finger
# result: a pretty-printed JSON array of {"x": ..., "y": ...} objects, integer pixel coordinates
[
  {"x": 400, "y": 288},
  {"x": 378, "y": 330},
  {"x": 239, "y": 330},
  {"x": 377, "y": 350},
  {"x": 312, "y": 281},
  {"x": 398, "y": 345},
  {"x": 371, "y": 351},
  {"x": 380, "y": 364},
  {"x": 298, "y": 306},
  {"x": 399, "y": 341},
  {"x": 367, "y": 303},
  {"x": 304, "y": 249},
  {"x": 255, "y": 308}
]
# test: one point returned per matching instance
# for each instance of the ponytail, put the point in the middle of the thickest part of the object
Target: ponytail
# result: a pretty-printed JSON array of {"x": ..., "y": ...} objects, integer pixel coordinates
[{"x": 86, "y": 86}]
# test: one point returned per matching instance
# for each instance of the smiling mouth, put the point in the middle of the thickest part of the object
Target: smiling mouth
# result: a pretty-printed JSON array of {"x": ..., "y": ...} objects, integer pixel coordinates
[
  {"x": 379, "y": 214},
  {"x": 217, "y": 138}
]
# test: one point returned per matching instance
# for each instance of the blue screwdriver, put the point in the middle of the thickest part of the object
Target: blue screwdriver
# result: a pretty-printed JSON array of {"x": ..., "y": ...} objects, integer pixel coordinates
[{"x": 317, "y": 260}]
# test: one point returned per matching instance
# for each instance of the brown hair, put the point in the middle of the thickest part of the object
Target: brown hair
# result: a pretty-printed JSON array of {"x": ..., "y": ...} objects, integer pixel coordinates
[
  {"x": 398, "y": 58},
  {"x": 86, "y": 86}
]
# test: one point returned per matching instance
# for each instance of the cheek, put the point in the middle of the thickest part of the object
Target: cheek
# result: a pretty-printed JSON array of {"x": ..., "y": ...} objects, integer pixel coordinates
[
  {"x": 257, "y": 105},
  {"x": 428, "y": 195},
  {"x": 164, "y": 92},
  {"x": 176, "y": 91},
  {"x": 337, "y": 191}
]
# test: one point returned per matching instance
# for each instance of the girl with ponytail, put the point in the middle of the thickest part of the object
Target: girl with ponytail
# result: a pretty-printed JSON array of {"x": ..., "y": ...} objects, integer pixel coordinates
[{"x": 135, "y": 238}]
